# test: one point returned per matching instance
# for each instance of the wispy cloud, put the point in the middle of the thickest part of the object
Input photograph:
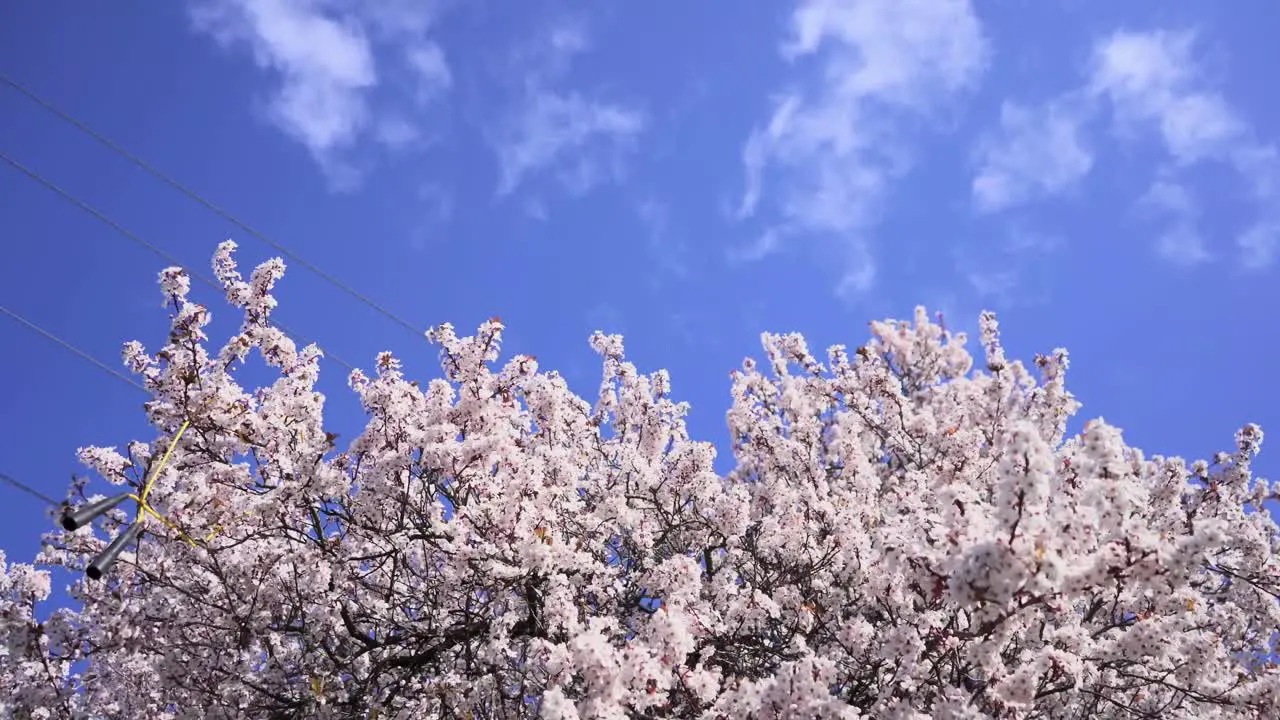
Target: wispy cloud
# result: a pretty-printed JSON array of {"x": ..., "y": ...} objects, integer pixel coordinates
[
  {"x": 762, "y": 246},
  {"x": 1171, "y": 202},
  {"x": 396, "y": 132},
  {"x": 1038, "y": 151},
  {"x": 1152, "y": 79},
  {"x": 579, "y": 140},
  {"x": 995, "y": 267},
  {"x": 667, "y": 250},
  {"x": 826, "y": 155},
  {"x": 1153, "y": 85},
  {"x": 434, "y": 211},
  {"x": 585, "y": 141},
  {"x": 431, "y": 71},
  {"x": 1259, "y": 244},
  {"x": 321, "y": 54},
  {"x": 432, "y": 215}
]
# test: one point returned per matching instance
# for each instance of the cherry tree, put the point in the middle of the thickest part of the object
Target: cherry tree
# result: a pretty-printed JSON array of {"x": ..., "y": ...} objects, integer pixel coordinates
[{"x": 901, "y": 536}]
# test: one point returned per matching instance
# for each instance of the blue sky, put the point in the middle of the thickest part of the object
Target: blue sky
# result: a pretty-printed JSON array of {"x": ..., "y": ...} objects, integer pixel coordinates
[{"x": 1105, "y": 176}]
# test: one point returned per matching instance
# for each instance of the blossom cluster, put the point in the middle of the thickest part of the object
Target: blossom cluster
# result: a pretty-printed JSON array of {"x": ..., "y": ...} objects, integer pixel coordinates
[{"x": 902, "y": 536}]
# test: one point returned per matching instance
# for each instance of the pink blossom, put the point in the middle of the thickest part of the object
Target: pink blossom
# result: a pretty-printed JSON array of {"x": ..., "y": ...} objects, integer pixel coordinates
[{"x": 901, "y": 536}]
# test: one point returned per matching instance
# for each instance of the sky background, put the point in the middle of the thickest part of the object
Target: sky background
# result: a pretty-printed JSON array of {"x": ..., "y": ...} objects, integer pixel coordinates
[{"x": 1103, "y": 175}]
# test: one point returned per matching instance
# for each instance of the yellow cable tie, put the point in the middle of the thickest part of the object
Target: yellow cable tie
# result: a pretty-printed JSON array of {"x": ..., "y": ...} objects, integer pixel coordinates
[
  {"x": 164, "y": 459},
  {"x": 172, "y": 526},
  {"x": 144, "y": 508}
]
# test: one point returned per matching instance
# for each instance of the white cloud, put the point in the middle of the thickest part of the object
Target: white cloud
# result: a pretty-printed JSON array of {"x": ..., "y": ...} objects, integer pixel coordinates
[
  {"x": 1180, "y": 242},
  {"x": 1260, "y": 244},
  {"x": 667, "y": 250},
  {"x": 826, "y": 156},
  {"x": 860, "y": 273},
  {"x": 396, "y": 132},
  {"x": 753, "y": 163},
  {"x": 566, "y": 40},
  {"x": 582, "y": 141},
  {"x": 1039, "y": 151},
  {"x": 404, "y": 18},
  {"x": 434, "y": 210},
  {"x": 1154, "y": 79},
  {"x": 1259, "y": 165},
  {"x": 438, "y": 201},
  {"x": 995, "y": 266},
  {"x": 535, "y": 208},
  {"x": 433, "y": 75},
  {"x": 1151, "y": 78},
  {"x": 996, "y": 284},
  {"x": 325, "y": 64},
  {"x": 898, "y": 51},
  {"x": 766, "y": 244},
  {"x": 586, "y": 141},
  {"x": 322, "y": 56},
  {"x": 1150, "y": 81}
]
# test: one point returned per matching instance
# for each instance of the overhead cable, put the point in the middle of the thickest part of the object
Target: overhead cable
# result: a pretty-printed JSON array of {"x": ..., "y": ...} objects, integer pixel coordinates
[
  {"x": 209, "y": 205},
  {"x": 135, "y": 238}
]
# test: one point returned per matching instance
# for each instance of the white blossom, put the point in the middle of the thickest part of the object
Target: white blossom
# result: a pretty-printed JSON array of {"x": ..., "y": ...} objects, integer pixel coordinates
[{"x": 901, "y": 535}]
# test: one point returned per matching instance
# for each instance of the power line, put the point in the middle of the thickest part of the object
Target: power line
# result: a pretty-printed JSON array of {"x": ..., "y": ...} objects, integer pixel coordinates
[
  {"x": 14, "y": 482},
  {"x": 83, "y": 355},
  {"x": 101, "y": 217},
  {"x": 195, "y": 196},
  {"x": 9, "y": 479},
  {"x": 135, "y": 238}
]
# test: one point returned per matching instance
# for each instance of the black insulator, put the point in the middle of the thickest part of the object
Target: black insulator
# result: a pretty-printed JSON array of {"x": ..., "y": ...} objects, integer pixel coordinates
[
  {"x": 101, "y": 565},
  {"x": 75, "y": 519}
]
